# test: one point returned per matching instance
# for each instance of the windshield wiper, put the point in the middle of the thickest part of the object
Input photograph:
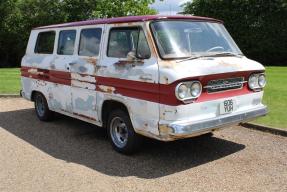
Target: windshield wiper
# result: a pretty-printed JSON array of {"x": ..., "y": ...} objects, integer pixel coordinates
[
  {"x": 192, "y": 58},
  {"x": 222, "y": 54}
]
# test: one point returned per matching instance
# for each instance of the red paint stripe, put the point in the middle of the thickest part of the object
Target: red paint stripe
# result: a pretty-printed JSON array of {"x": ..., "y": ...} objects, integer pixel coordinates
[
  {"x": 134, "y": 89},
  {"x": 167, "y": 92},
  {"x": 158, "y": 93},
  {"x": 52, "y": 76}
]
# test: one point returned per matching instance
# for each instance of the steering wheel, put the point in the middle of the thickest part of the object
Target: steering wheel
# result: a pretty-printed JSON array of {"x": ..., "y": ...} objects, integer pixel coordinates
[{"x": 215, "y": 48}]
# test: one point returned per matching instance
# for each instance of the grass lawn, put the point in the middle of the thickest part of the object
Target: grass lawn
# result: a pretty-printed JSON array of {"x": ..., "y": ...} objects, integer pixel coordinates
[
  {"x": 9, "y": 80},
  {"x": 275, "y": 96}
]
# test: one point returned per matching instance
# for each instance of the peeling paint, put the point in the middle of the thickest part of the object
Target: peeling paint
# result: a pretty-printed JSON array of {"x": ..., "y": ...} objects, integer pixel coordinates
[
  {"x": 83, "y": 77},
  {"x": 84, "y": 85},
  {"x": 92, "y": 60},
  {"x": 164, "y": 130},
  {"x": 56, "y": 104},
  {"x": 40, "y": 83},
  {"x": 107, "y": 89},
  {"x": 124, "y": 63},
  {"x": 78, "y": 92},
  {"x": 84, "y": 105}
]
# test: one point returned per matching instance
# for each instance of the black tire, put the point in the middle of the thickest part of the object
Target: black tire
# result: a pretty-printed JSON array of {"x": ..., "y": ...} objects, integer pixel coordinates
[
  {"x": 131, "y": 141},
  {"x": 41, "y": 107}
]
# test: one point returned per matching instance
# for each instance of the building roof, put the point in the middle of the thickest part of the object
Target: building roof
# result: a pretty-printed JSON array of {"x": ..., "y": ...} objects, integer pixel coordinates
[{"x": 127, "y": 19}]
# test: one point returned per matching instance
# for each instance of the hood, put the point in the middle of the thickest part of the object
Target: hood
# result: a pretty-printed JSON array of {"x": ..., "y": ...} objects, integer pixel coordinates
[{"x": 171, "y": 71}]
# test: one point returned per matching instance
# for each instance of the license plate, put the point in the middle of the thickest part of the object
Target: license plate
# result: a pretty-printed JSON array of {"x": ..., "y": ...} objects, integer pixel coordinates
[{"x": 227, "y": 106}]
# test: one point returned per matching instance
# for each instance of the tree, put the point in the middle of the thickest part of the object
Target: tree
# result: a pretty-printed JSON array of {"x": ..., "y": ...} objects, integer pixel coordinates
[
  {"x": 258, "y": 26},
  {"x": 117, "y": 8},
  {"x": 18, "y": 17},
  {"x": 89, "y": 9},
  {"x": 6, "y": 8}
]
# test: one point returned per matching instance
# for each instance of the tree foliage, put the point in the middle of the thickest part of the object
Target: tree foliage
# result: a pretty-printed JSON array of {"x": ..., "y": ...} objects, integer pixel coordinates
[
  {"x": 258, "y": 26},
  {"x": 18, "y": 17},
  {"x": 6, "y": 9}
]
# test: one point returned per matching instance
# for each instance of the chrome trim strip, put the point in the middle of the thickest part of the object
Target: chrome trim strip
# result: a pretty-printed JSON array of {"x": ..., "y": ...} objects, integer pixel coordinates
[
  {"x": 230, "y": 85},
  {"x": 219, "y": 85},
  {"x": 188, "y": 128}
]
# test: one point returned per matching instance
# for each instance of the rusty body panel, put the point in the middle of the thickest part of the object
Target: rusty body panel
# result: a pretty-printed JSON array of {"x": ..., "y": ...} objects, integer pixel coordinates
[{"x": 78, "y": 86}]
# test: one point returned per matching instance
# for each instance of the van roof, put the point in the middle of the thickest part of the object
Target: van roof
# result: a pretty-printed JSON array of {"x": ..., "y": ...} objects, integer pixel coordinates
[{"x": 128, "y": 19}]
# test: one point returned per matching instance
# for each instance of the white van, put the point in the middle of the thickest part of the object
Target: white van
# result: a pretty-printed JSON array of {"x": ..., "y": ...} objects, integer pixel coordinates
[{"x": 163, "y": 77}]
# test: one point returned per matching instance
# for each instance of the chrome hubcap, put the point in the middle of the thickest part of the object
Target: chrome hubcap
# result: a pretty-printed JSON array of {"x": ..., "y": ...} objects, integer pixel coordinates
[
  {"x": 119, "y": 132},
  {"x": 40, "y": 107}
]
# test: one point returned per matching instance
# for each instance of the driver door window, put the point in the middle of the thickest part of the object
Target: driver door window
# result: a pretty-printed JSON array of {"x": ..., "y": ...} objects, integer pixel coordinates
[{"x": 122, "y": 41}]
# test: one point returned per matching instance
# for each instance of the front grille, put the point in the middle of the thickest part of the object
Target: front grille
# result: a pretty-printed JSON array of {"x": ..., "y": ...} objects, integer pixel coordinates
[{"x": 224, "y": 84}]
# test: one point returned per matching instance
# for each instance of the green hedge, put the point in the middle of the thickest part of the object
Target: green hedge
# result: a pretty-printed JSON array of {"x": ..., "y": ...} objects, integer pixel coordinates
[
  {"x": 259, "y": 27},
  {"x": 18, "y": 17}
]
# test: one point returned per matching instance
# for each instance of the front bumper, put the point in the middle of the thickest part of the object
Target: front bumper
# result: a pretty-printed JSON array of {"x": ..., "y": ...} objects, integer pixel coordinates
[{"x": 184, "y": 129}]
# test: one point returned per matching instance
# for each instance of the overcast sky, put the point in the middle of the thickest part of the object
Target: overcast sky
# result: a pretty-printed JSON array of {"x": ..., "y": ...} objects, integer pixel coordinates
[{"x": 168, "y": 7}]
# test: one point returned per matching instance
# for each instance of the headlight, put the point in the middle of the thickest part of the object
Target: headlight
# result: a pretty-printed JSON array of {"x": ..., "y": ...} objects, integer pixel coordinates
[
  {"x": 257, "y": 81},
  {"x": 252, "y": 82},
  {"x": 188, "y": 90},
  {"x": 182, "y": 91},
  {"x": 195, "y": 89},
  {"x": 262, "y": 80}
]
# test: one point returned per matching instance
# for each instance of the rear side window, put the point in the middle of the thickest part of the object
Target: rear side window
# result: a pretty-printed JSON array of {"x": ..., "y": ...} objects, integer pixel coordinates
[
  {"x": 45, "y": 42},
  {"x": 122, "y": 41},
  {"x": 90, "y": 42},
  {"x": 66, "y": 42}
]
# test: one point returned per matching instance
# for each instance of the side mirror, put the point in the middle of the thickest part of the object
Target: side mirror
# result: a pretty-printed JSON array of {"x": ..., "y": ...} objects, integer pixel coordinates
[{"x": 132, "y": 56}]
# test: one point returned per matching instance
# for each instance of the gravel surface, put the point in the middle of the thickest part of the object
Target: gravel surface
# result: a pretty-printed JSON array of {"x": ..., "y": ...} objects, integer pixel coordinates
[{"x": 69, "y": 155}]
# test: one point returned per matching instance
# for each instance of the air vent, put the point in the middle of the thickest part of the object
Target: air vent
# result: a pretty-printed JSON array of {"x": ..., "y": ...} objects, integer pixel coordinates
[{"x": 224, "y": 84}]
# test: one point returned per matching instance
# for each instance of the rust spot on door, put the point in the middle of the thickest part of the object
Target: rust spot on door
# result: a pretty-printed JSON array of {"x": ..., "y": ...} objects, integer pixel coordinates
[
  {"x": 123, "y": 63},
  {"x": 92, "y": 61},
  {"x": 107, "y": 89}
]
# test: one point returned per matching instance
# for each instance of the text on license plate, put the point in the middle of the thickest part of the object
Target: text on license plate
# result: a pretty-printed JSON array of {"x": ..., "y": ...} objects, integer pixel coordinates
[{"x": 227, "y": 106}]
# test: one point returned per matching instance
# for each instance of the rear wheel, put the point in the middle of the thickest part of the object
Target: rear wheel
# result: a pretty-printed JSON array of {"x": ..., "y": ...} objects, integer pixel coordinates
[
  {"x": 41, "y": 108},
  {"x": 121, "y": 133}
]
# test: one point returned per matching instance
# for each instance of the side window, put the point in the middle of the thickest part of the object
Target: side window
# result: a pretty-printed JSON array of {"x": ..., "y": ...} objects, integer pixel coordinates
[
  {"x": 122, "y": 41},
  {"x": 66, "y": 42},
  {"x": 45, "y": 42},
  {"x": 143, "y": 50},
  {"x": 90, "y": 42}
]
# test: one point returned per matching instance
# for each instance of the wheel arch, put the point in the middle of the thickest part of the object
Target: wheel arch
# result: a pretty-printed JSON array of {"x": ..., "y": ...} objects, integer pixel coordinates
[
  {"x": 33, "y": 93},
  {"x": 110, "y": 105}
]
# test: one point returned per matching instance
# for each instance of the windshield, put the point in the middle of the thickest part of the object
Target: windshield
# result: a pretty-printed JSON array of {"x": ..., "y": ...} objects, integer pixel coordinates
[{"x": 183, "y": 39}]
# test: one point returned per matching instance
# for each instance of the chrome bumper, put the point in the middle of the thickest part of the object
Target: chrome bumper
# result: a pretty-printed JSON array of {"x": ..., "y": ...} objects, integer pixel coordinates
[{"x": 182, "y": 129}]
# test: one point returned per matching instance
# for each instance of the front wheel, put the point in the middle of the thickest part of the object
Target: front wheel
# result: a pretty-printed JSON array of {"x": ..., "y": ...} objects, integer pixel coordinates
[
  {"x": 41, "y": 107},
  {"x": 121, "y": 133}
]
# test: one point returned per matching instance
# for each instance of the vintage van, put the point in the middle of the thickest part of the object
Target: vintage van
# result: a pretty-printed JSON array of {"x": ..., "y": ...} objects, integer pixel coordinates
[{"x": 163, "y": 77}]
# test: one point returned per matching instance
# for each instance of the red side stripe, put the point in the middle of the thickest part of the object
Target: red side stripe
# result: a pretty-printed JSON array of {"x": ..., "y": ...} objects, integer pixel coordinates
[
  {"x": 52, "y": 76},
  {"x": 135, "y": 89},
  {"x": 158, "y": 93}
]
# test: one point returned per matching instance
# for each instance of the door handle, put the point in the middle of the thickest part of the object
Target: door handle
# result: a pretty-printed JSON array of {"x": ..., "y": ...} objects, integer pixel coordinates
[{"x": 72, "y": 63}]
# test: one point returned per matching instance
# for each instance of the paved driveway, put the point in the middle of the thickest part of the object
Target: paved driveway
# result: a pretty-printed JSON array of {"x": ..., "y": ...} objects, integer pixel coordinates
[{"x": 69, "y": 155}]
